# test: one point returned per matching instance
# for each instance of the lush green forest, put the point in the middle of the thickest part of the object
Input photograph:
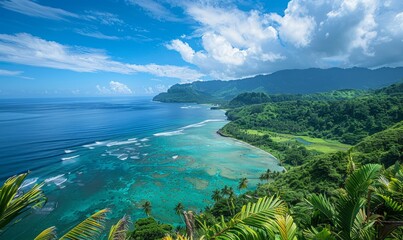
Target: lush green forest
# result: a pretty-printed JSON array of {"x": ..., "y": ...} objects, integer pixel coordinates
[
  {"x": 297, "y": 81},
  {"x": 250, "y": 98},
  {"x": 347, "y": 121}
]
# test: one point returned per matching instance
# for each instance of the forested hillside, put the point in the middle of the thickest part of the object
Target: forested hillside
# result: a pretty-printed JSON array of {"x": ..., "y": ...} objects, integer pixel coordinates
[
  {"x": 295, "y": 81},
  {"x": 347, "y": 121},
  {"x": 250, "y": 98}
]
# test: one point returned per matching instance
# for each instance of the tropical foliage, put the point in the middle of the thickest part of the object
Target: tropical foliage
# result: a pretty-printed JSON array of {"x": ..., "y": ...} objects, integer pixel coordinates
[
  {"x": 120, "y": 230},
  {"x": 147, "y": 207},
  {"x": 265, "y": 219},
  {"x": 15, "y": 202},
  {"x": 149, "y": 228},
  {"x": 90, "y": 228}
]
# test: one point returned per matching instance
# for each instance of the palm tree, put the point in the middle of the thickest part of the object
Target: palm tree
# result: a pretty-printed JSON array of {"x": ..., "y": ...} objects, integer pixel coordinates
[
  {"x": 348, "y": 216},
  {"x": 265, "y": 176},
  {"x": 225, "y": 191},
  {"x": 14, "y": 202},
  {"x": 179, "y": 208},
  {"x": 216, "y": 195},
  {"x": 120, "y": 230},
  {"x": 228, "y": 191},
  {"x": 265, "y": 219},
  {"x": 147, "y": 208},
  {"x": 387, "y": 201},
  {"x": 243, "y": 183}
]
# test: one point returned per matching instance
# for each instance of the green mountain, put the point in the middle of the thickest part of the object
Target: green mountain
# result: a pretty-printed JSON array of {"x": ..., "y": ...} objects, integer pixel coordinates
[
  {"x": 283, "y": 82},
  {"x": 250, "y": 98},
  {"x": 385, "y": 147},
  {"x": 347, "y": 121}
]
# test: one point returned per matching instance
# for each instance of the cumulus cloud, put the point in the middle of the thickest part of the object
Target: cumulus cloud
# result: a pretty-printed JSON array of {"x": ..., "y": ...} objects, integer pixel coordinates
[
  {"x": 184, "y": 49},
  {"x": 114, "y": 88},
  {"x": 296, "y": 26},
  {"x": 339, "y": 33},
  {"x": 120, "y": 88},
  {"x": 26, "y": 49}
]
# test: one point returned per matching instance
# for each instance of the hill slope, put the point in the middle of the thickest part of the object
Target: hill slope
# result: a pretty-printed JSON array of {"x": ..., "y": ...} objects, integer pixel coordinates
[
  {"x": 285, "y": 82},
  {"x": 348, "y": 121}
]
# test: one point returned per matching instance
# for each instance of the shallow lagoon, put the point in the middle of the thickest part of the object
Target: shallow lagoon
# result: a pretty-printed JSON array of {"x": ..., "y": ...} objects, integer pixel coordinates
[{"x": 165, "y": 153}]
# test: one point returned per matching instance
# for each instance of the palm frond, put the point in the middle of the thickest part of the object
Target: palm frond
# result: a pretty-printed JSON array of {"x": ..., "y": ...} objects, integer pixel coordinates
[
  {"x": 358, "y": 182},
  {"x": 47, "y": 234},
  {"x": 363, "y": 227},
  {"x": 119, "y": 230},
  {"x": 392, "y": 204},
  {"x": 322, "y": 204},
  {"x": 254, "y": 221},
  {"x": 177, "y": 237},
  {"x": 347, "y": 209},
  {"x": 14, "y": 203},
  {"x": 90, "y": 228},
  {"x": 286, "y": 227},
  {"x": 314, "y": 234},
  {"x": 396, "y": 185}
]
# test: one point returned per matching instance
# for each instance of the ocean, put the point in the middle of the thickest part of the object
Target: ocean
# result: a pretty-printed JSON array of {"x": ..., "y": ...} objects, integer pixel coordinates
[{"x": 117, "y": 153}]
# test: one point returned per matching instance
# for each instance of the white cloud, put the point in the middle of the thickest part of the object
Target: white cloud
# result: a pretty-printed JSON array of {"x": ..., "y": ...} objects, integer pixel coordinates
[
  {"x": 9, "y": 73},
  {"x": 294, "y": 27},
  {"x": 114, "y": 88},
  {"x": 230, "y": 38},
  {"x": 119, "y": 88},
  {"x": 222, "y": 50},
  {"x": 26, "y": 49},
  {"x": 103, "y": 90},
  {"x": 104, "y": 18},
  {"x": 34, "y": 9},
  {"x": 96, "y": 34},
  {"x": 155, "y": 89},
  {"x": 184, "y": 49},
  {"x": 339, "y": 33},
  {"x": 155, "y": 9},
  {"x": 149, "y": 90}
]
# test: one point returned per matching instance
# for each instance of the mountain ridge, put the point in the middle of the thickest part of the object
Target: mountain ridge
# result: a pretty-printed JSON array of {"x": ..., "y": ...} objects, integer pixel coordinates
[{"x": 289, "y": 81}]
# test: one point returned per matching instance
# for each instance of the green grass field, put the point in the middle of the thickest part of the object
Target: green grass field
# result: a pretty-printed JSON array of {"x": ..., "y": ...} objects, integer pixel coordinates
[{"x": 318, "y": 144}]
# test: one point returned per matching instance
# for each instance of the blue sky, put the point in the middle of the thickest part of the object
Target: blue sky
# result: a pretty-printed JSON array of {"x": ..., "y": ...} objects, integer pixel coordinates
[{"x": 141, "y": 47}]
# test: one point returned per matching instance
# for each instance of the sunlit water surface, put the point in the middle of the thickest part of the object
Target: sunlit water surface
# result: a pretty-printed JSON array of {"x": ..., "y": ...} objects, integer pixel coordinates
[{"x": 117, "y": 153}]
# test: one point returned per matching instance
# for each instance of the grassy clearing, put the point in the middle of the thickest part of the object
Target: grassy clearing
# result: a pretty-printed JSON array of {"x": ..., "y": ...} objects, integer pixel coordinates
[{"x": 318, "y": 144}]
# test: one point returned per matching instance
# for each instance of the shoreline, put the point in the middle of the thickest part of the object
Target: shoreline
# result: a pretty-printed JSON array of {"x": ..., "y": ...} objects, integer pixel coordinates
[{"x": 250, "y": 145}]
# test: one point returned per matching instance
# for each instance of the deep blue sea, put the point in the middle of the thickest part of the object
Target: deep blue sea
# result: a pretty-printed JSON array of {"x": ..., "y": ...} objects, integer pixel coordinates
[{"x": 117, "y": 153}]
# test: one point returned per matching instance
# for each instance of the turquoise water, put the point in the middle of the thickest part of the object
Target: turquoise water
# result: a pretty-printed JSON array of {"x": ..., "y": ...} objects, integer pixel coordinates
[{"x": 118, "y": 154}]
